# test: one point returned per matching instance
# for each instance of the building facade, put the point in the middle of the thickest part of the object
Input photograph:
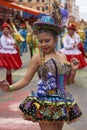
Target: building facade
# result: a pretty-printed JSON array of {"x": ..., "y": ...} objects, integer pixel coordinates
[
  {"x": 73, "y": 10},
  {"x": 6, "y": 12},
  {"x": 45, "y": 6},
  {"x": 42, "y": 5}
]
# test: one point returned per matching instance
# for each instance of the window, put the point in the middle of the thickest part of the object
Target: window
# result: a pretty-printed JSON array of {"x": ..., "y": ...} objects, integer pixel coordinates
[
  {"x": 38, "y": 8},
  {"x": 29, "y": 0},
  {"x": 43, "y": 9},
  {"x": 46, "y": 7},
  {"x": 20, "y": 0}
]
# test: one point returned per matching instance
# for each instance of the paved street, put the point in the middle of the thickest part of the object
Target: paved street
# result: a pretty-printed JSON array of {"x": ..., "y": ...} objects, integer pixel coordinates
[{"x": 10, "y": 117}]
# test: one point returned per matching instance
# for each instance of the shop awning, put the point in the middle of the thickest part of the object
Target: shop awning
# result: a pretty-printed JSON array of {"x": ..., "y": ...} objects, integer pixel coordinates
[
  {"x": 9, "y": 0},
  {"x": 23, "y": 8}
]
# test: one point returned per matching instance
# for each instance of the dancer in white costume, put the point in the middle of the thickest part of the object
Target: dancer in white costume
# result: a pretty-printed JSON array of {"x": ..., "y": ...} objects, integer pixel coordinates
[
  {"x": 9, "y": 57},
  {"x": 71, "y": 47},
  {"x": 71, "y": 42}
]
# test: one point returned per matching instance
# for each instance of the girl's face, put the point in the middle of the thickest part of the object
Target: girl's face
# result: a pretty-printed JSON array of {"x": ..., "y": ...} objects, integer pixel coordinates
[
  {"x": 71, "y": 32},
  {"x": 6, "y": 31},
  {"x": 46, "y": 42}
]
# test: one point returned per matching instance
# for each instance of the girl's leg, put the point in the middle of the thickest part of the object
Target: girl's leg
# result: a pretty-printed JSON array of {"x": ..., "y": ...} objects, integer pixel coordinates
[
  {"x": 74, "y": 78},
  {"x": 9, "y": 76},
  {"x": 48, "y": 126},
  {"x": 60, "y": 125},
  {"x": 51, "y": 126}
]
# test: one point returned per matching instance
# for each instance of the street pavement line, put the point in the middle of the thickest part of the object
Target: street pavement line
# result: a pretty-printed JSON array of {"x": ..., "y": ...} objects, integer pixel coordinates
[{"x": 4, "y": 121}]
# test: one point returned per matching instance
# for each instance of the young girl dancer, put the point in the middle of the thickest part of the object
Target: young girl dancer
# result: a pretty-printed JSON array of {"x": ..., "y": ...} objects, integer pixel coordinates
[{"x": 52, "y": 104}]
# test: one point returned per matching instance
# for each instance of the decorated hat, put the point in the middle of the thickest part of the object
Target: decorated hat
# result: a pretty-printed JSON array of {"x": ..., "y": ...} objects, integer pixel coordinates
[
  {"x": 72, "y": 27},
  {"x": 48, "y": 23},
  {"x": 5, "y": 25}
]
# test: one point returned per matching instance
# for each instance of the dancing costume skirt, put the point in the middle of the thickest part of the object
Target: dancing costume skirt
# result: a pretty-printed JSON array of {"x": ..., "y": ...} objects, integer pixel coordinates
[
  {"x": 10, "y": 61},
  {"x": 79, "y": 57},
  {"x": 49, "y": 109}
]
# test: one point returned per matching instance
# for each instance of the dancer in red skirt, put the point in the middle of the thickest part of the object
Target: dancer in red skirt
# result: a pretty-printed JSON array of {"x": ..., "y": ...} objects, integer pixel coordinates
[
  {"x": 71, "y": 48},
  {"x": 9, "y": 57}
]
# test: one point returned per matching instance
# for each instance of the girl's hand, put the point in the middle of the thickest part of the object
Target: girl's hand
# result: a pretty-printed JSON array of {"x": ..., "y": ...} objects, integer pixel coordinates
[
  {"x": 75, "y": 63},
  {"x": 75, "y": 45},
  {"x": 4, "y": 85},
  {"x": 15, "y": 46}
]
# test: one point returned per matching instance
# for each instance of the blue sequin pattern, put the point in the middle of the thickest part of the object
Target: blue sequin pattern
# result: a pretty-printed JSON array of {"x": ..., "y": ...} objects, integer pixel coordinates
[{"x": 47, "y": 19}]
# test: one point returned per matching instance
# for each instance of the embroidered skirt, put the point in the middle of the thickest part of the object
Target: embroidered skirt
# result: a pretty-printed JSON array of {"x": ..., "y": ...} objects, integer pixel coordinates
[{"x": 49, "y": 109}]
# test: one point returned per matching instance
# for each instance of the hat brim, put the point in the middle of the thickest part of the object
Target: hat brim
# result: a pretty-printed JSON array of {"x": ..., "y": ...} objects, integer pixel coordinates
[
  {"x": 5, "y": 27},
  {"x": 40, "y": 25},
  {"x": 70, "y": 28}
]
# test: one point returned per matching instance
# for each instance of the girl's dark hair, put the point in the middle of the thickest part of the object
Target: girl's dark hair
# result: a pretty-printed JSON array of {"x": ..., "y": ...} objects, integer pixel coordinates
[{"x": 54, "y": 34}]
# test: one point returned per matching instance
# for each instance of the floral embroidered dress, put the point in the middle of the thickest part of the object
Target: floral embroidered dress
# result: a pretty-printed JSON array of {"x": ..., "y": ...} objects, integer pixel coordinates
[{"x": 52, "y": 102}]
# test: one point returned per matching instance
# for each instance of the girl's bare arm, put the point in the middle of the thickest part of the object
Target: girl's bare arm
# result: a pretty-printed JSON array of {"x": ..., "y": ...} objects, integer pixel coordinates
[{"x": 32, "y": 68}]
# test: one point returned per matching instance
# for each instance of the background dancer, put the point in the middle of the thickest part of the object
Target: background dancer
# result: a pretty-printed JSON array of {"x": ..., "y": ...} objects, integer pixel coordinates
[
  {"x": 9, "y": 57},
  {"x": 71, "y": 42}
]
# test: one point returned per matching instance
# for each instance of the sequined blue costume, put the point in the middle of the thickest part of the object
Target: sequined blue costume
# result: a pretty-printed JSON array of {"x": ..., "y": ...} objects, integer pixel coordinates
[{"x": 52, "y": 102}]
